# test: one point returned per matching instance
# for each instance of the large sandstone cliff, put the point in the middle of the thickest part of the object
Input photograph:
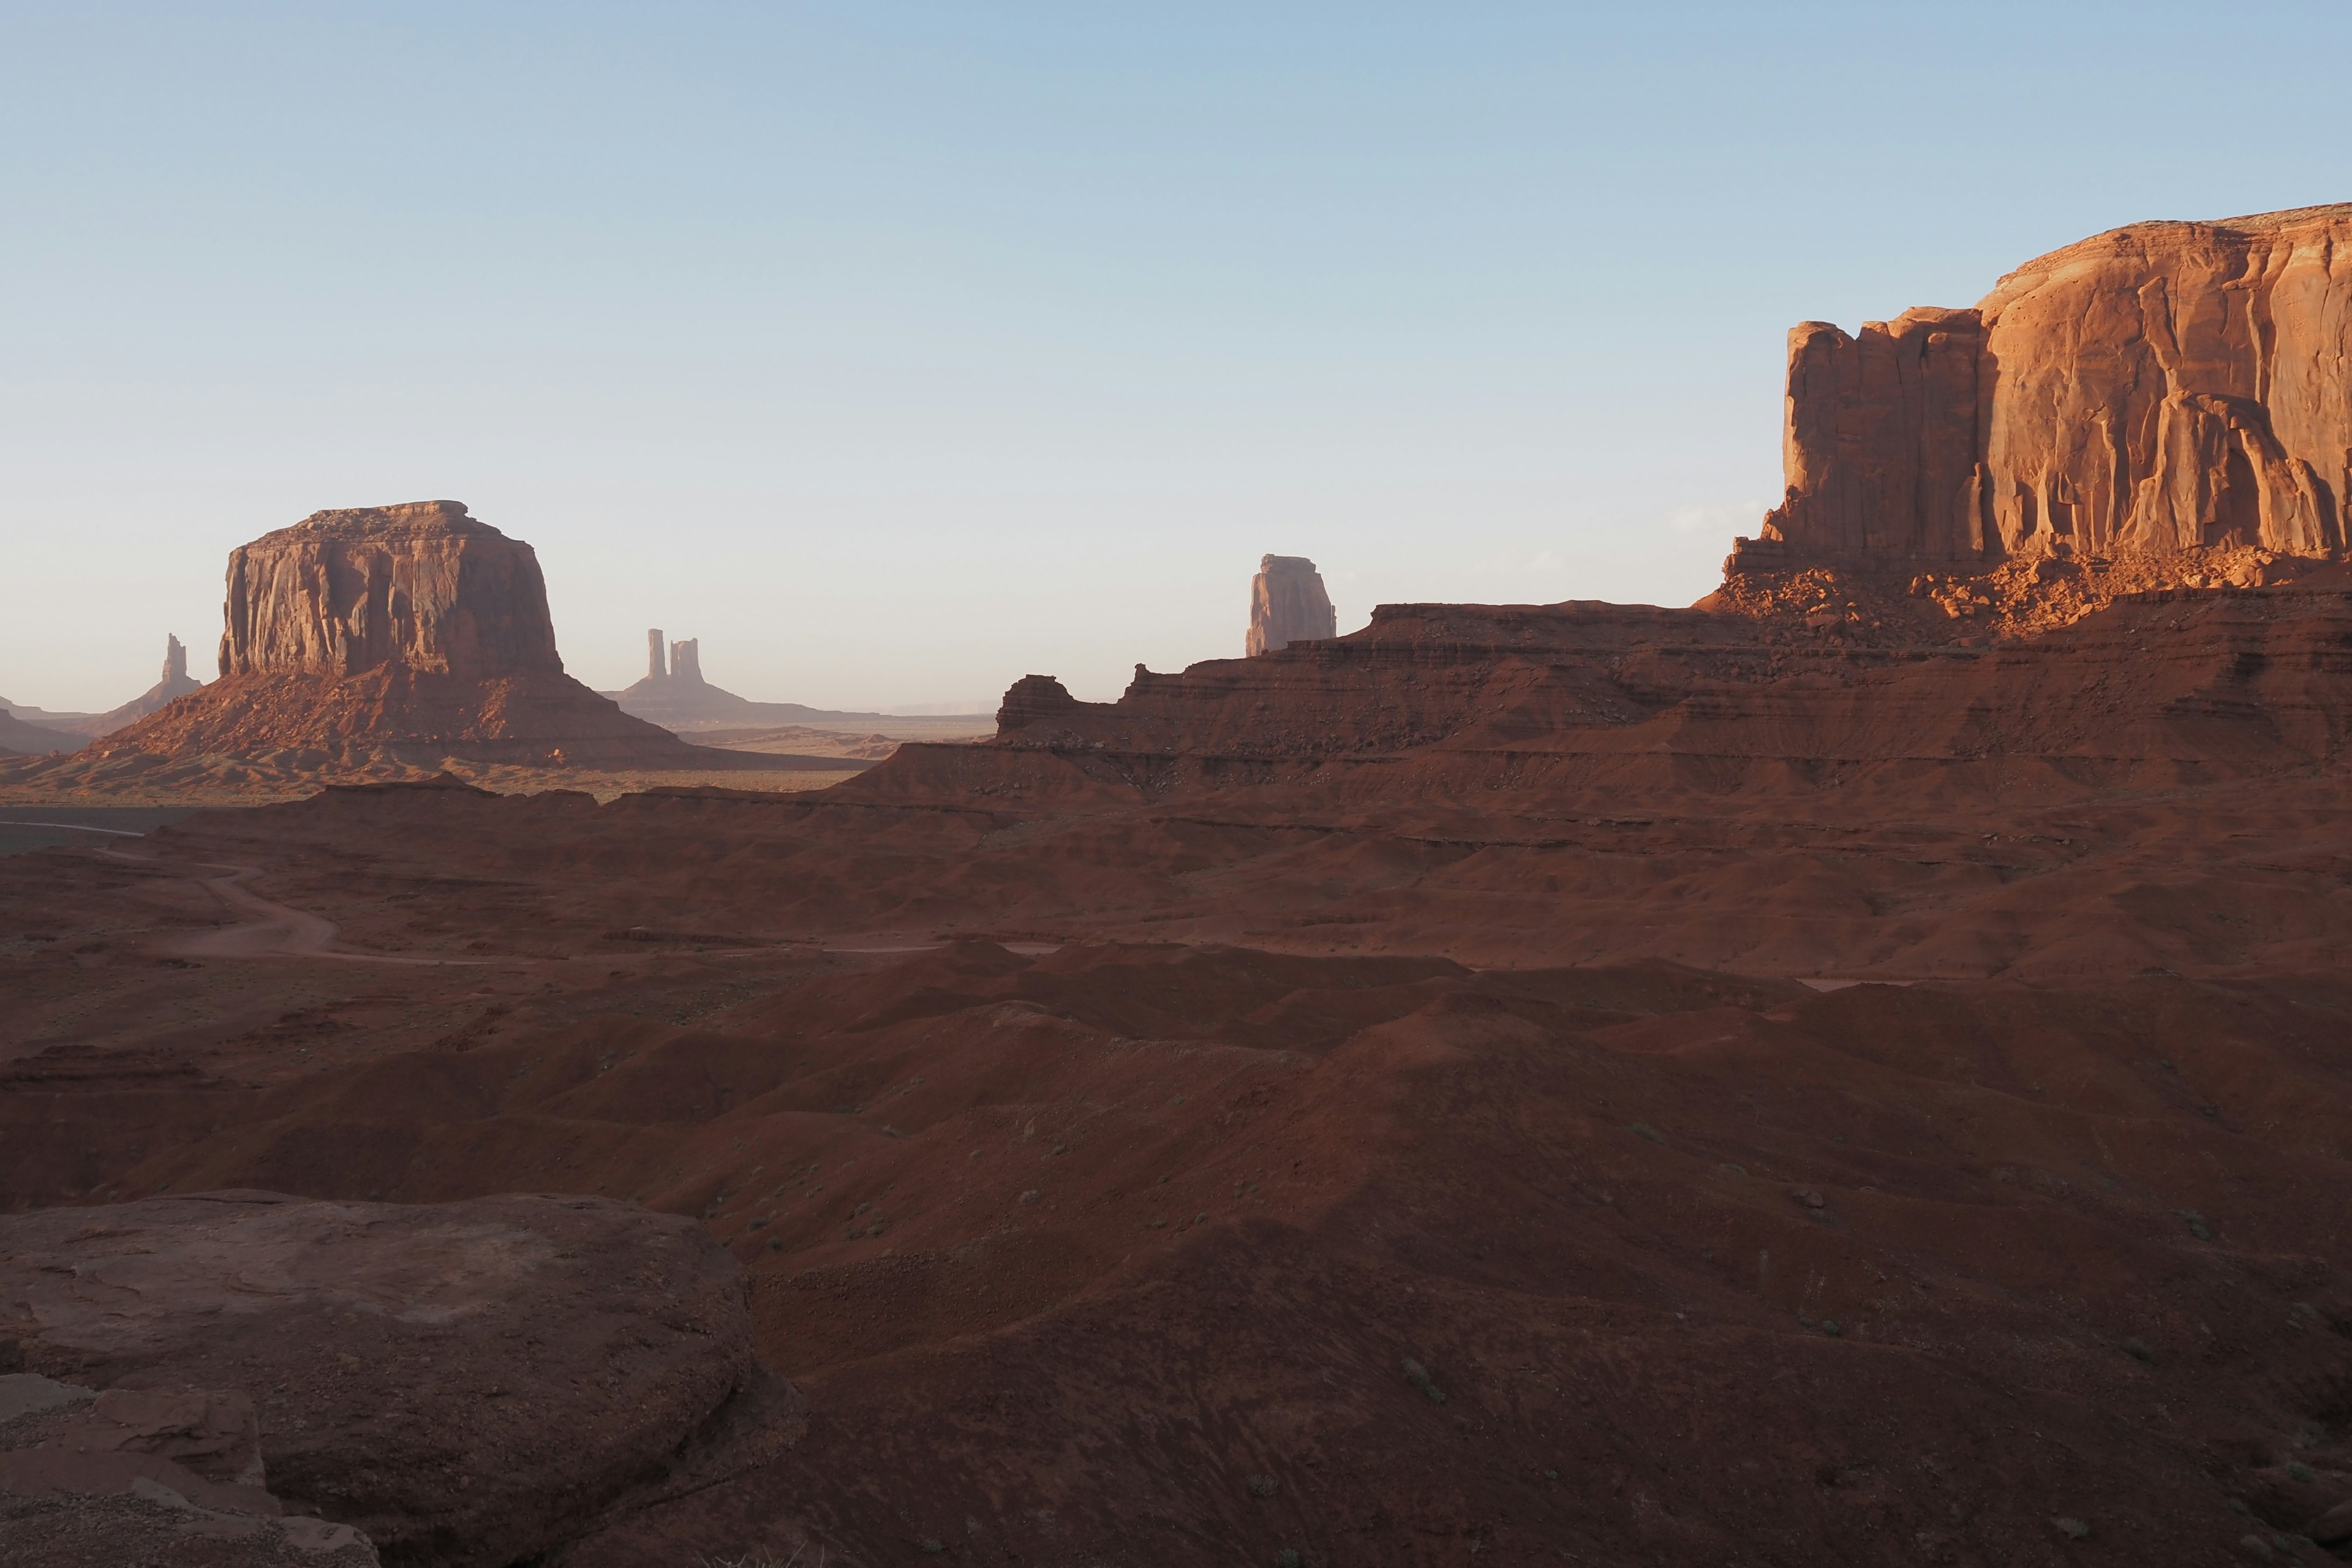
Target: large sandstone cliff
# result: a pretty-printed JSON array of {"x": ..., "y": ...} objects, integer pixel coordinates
[
  {"x": 423, "y": 584},
  {"x": 2158, "y": 388}
]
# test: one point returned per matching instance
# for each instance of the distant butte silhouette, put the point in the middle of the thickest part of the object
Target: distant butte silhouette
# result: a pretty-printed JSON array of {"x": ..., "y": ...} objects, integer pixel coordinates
[
  {"x": 675, "y": 696},
  {"x": 1288, "y": 604}
]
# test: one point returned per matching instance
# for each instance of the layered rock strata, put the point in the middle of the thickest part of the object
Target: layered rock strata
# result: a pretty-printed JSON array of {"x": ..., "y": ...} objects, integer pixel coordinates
[
  {"x": 1288, "y": 604},
  {"x": 414, "y": 630},
  {"x": 2162, "y": 389},
  {"x": 1583, "y": 701}
]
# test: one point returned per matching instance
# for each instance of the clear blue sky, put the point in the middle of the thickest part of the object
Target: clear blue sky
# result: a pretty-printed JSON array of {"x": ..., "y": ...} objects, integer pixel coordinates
[{"x": 897, "y": 350}]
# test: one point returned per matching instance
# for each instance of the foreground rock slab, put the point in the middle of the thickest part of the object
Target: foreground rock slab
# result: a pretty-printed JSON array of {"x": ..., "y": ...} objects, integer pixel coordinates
[{"x": 468, "y": 1382}]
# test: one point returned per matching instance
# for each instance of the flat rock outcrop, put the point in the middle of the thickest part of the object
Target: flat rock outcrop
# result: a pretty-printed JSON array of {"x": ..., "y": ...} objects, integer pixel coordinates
[
  {"x": 1288, "y": 604},
  {"x": 2160, "y": 388},
  {"x": 466, "y": 1383},
  {"x": 415, "y": 631}
]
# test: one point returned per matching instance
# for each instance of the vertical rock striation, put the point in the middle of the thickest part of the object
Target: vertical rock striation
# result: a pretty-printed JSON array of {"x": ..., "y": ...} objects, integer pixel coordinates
[
  {"x": 1288, "y": 604},
  {"x": 2159, "y": 388},
  {"x": 423, "y": 585}
]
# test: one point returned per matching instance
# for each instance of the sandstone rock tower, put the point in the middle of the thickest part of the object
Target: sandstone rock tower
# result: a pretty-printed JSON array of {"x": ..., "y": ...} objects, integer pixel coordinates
[
  {"x": 686, "y": 661},
  {"x": 2159, "y": 388},
  {"x": 656, "y": 660},
  {"x": 415, "y": 631},
  {"x": 1288, "y": 604}
]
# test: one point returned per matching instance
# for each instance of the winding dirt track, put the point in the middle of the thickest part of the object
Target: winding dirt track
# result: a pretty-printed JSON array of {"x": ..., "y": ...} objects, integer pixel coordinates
[{"x": 271, "y": 930}]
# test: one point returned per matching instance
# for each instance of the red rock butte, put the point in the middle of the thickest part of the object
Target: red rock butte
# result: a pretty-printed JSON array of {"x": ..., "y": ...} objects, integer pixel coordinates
[
  {"x": 399, "y": 629},
  {"x": 1288, "y": 604},
  {"x": 2160, "y": 388}
]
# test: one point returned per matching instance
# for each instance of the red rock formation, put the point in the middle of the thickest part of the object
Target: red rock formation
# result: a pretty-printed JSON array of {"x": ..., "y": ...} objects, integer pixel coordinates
[
  {"x": 1036, "y": 698},
  {"x": 2158, "y": 388},
  {"x": 411, "y": 629},
  {"x": 1288, "y": 604},
  {"x": 424, "y": 585}
]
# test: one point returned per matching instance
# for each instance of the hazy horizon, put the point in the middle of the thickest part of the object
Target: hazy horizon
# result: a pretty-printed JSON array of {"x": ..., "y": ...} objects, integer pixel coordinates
[{"x": 897, "y": 350}]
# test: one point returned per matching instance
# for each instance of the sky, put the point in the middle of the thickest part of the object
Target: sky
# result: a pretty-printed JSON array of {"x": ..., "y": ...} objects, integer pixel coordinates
[{"x": 895, "y": 350}]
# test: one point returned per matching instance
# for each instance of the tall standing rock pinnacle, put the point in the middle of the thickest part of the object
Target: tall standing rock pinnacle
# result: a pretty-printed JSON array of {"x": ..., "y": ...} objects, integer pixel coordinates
[
  {"x": 1288, "y": 604},
  {"x": 657, "y": 665}
]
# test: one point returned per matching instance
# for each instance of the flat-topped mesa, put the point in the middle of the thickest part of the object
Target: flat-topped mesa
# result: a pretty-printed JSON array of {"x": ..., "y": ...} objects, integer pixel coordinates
[
  {"x": 423, "y": 585},
  {"x": 2159, "y": 388},
  {"x": 413, "y": 633},
  {"x": 1288, "y": 604}
]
